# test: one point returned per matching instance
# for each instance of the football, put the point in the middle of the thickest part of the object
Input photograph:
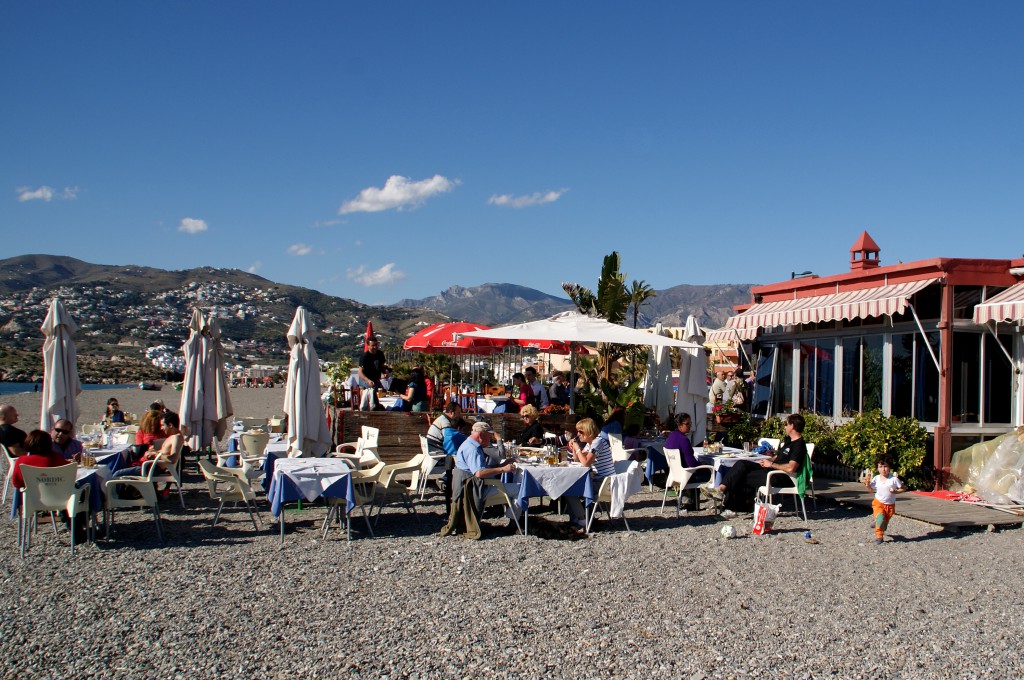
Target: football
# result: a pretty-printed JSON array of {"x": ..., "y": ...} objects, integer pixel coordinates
[{"x": 728, "y": 531}]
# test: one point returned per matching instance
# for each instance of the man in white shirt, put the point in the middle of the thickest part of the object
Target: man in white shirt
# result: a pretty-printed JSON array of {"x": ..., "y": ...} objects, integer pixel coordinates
[{"x": 541, "y": 399}]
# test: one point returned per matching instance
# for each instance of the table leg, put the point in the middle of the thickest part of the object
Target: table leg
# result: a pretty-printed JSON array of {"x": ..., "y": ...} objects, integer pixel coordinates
[
  {"x": 526, "y": 518},
  {"x": 282, "y": 526}
]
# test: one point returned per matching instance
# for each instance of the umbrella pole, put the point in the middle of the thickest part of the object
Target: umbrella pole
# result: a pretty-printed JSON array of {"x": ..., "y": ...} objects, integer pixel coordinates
[{"x": 572, "y": 378}]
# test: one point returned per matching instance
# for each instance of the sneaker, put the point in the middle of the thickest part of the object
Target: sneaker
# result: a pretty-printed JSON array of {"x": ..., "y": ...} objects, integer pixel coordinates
[
  {"x": 712, "y": 492},
  {"x": 727, "y": 514},
  {"x": 878, "y": 541}
]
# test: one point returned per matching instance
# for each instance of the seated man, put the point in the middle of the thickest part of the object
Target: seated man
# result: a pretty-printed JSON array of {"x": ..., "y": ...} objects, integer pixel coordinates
[
  {"x": 63, "y": 443},
  {"x": 743, "y": 479},
  {"x": 10, "y": 436},
  {"x": 471, "y": 463},
  {"x": 558, "y": 394},
  {"x": 167, "y": 454},
  {"x": 435, "y": 434}
]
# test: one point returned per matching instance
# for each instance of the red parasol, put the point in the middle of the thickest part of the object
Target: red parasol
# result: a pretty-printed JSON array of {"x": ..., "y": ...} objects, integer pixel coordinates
[
  {"x": 443, "y": 338},
  {"x": 369, "y": 334}
]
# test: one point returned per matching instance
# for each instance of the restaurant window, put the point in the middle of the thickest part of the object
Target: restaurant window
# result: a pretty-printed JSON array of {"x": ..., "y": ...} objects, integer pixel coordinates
[
  {"x": 817, "y": 375},
  {"x": 966, "y": 377},
  {"x": 926, "y": 378},
  {"x": 928, "y": 302},
  {"x": 862, "y": 374},
  {"x": 998, "y": 380},
  {"x": 782, "y": 390},
  {"x": 763, "y": 381},
  {"x": 965, "y": 298},
  {"x": 902, "y": 394}
]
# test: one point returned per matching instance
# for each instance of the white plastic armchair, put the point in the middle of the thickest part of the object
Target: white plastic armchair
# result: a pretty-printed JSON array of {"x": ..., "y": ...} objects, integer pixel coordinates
[
  {"x": 113, "y": 501},
  {"x": 619, "y": 451},
  {"x": 9, "y": 471},
  {"x": 430, "y": 462},
  {"x": 628, "y": 477},
  {"x": 388, "y": 484},
  {"x": 364, "y": 483},
  {"x": 680, "y": 477},
  {"x": 48, "y": 490},
  {"x": 163, "y": 470},
  {"x": 769, "y": 489},
  {"x": 229, "y": 485}
]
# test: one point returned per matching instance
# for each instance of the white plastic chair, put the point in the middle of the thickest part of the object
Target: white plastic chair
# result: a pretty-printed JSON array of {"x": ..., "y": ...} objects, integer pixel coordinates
[
  {"x": 364, "y": 483},
  {"x": 229, "y": 485},
  {"x": 430, "y": 462},
  {"x": 619, "y": 451},
  {"x": 624, "y": 470},
  {"x": 680, "y": 476},
  {"x": 766, "y": 492},
  {"x": 49, "y": 489},
  {"x": 503, "y": 494},
  {"x": 9, "y": 475},
  {"x": 388, "y": 485},
  {"x": 254, "y": 423},
  {"x": 251, "y": 453},
  {"x": 113, "y": 502}
]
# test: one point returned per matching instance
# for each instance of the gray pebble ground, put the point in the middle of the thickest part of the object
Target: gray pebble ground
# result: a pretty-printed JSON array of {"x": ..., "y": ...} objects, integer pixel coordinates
[{"x": 671, "y": 599}]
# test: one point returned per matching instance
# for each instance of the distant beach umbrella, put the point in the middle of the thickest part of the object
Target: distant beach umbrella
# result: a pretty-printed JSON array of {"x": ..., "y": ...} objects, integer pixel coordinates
[
  {"x": 446, "y": 338},
  {"x": 367, "y": 336},
  {"x": 61, "y": 386},
  {"x": 205, "y": 400},
  {"x": 309, "y": 435}
]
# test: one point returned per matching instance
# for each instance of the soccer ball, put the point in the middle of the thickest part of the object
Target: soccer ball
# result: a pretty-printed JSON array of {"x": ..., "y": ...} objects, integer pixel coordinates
[{"x": 728, "y": 531}]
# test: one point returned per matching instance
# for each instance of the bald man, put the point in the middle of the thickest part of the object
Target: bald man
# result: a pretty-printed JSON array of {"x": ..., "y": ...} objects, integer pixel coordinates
[{"x": 10, "y": 436}]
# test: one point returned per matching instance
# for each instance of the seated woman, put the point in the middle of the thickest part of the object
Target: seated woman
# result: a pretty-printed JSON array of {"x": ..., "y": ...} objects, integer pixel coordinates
[
  {"x": 679, "y": 439},
  {"x": 415, "y": 397},
  {"x": 150, "y": 431},
  {"x": 38, "y": 453},
  {"x": 522, "y": 394},
  {"x": 592, "y": 449},
  {"x": 743, "y": 479},
  {"x": 114, "y": 413},
  {"x": 533, "y": 435}
]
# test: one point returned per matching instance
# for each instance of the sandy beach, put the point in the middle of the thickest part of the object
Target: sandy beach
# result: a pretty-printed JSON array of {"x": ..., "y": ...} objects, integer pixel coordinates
[
  {"x": 671, "y": 599},
  {"x": 256, "y": 402}
]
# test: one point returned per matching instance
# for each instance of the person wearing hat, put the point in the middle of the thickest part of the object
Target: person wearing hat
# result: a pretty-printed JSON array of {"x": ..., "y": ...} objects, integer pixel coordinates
[{"x": 471, "y": 463}]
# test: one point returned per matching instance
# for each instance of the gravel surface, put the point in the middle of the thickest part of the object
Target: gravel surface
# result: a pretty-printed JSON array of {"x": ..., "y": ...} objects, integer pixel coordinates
[{"x": 670, "y": 599}]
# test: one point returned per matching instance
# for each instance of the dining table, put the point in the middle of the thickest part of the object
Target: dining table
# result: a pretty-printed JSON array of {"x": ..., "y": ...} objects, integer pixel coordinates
[
  {"x": 537, "y": 479},
  {"x": 294, "y": 479},
  {"x": 724, "y": 459}
]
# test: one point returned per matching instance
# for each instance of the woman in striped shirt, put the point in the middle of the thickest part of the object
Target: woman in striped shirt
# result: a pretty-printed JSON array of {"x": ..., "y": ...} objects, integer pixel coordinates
[{"x": 592, "y": 449}]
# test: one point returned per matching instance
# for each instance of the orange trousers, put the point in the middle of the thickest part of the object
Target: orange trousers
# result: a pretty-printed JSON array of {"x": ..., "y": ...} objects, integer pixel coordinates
[{"x": 883, "y": 513}]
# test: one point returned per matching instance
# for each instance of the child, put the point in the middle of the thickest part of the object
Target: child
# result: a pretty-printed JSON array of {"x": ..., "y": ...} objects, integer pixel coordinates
[{"x": 885, "y": 485}]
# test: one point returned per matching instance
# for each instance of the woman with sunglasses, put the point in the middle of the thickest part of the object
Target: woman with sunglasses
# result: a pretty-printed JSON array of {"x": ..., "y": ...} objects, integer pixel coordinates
[
  {"x": 591, "y": 449},
  {"x": 114, "y": 413}
]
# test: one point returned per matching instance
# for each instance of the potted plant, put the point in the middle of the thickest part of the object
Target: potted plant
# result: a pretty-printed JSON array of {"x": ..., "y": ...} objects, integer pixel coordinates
[{"x": 726, "y": 413}]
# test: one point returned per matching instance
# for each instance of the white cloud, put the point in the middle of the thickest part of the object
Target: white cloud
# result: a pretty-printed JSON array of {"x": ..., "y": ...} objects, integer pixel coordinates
[
  {"x": 378, "y": 277},
  {"x": 299, "y": 249},
  {"x": 45, "y": 193},
  {"x": 327, "y": 223},
  {"x": 190, "y": 225},
  {"x": 536, "y": 198},
  {"x": 255, "y": 267},
  {"x": 398, "y": 193}
]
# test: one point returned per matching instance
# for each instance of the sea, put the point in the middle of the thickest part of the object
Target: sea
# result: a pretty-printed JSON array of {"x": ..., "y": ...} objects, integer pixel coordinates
[{"x": 23, "y": 387}]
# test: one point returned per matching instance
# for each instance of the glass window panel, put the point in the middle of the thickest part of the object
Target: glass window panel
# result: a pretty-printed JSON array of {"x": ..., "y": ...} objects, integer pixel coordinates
[
  {"x": 783, "y": 391},
  {"x": 871, "y": 373},
  {"x": 966, "y": 375},
  {"x": 998, "y": 380},
  {"x": 901, "y": 394},
  {"x": 763, "y": 381},
  {"x": 824, "y": 387},
  {"x": 926, "y": 393},
  {"x": 851, "y": 375}
]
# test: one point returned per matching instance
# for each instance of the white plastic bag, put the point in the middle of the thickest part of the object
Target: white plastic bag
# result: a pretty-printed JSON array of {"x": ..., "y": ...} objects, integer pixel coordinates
[{"x": 764, "y": 517}]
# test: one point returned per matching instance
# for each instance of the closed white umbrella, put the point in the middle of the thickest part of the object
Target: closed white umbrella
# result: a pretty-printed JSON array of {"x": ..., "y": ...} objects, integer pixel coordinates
[
  {"x": 658, "y": 381},
  {"x": 308, "y": 432},
  {"x": 205, "y": 400},
  {"x": 692, "y": 396},
  {"x": 60, "y": 368}
]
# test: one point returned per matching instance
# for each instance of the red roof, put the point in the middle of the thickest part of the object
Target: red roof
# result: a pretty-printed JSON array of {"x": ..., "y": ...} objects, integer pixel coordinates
[{"x": 865, "y": 242}]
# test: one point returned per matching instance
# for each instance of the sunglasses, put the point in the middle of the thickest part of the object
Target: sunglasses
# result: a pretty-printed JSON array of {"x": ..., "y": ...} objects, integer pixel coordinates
[{"x": 59, "y": 431}]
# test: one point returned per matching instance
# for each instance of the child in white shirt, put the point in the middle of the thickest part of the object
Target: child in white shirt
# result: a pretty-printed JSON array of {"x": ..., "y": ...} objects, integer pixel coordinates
[{"x": 883, "y": 506}]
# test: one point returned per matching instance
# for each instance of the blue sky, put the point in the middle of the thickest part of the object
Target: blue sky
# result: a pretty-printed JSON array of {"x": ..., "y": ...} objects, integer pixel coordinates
[{"x": 378, "y": 151}]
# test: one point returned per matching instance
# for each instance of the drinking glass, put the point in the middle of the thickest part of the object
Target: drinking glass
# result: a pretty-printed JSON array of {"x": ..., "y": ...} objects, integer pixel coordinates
[{"x": 746, "y": 447}]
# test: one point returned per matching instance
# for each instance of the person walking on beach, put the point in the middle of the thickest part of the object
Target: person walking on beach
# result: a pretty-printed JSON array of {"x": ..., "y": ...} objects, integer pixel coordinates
[
  {"x": 371, "y": 365},
  {"x": 883, "y": 506}
]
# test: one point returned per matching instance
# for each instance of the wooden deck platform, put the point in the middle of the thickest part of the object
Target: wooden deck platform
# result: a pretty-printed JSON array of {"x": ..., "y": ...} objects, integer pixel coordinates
[{"x": 950, "y": 515}]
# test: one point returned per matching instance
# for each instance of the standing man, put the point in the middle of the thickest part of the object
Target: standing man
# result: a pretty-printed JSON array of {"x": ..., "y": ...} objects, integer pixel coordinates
[
  {"x": 10, "y": 436},
  {"x": 559, "y": 392},
  {"x": 371, "y": 365},
  {"x": 717, "y": 390},
  {"x": 540, "y": 395},
  {"x": 64, "y": 443}
]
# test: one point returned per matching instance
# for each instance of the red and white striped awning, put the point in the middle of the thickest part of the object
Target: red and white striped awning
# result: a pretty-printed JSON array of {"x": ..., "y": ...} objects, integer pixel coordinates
[
  {"x": 1006, "y": 306},
  {"x": 852, "y": 304}
]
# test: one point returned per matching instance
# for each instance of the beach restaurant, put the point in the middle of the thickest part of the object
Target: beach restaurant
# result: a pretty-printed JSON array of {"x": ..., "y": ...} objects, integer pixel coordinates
[{"x": 939, "y": 339}]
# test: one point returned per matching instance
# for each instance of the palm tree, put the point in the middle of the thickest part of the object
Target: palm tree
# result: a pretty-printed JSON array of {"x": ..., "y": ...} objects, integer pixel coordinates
[{"x": 639, "y": 294}]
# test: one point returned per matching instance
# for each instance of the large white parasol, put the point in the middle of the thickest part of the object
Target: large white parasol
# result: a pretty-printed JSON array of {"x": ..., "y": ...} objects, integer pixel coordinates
[
  {"x": 308, "y": 432},
  {"x": 692, "y": 396},
  {"x": 60, "y": 368},
  {"x": 658, "y": 381},
  {"x": 205, "y": 400}
]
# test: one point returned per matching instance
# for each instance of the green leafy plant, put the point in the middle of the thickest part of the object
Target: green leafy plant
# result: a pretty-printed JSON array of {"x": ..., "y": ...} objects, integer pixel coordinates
[{"x": 872, "y": 434}]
